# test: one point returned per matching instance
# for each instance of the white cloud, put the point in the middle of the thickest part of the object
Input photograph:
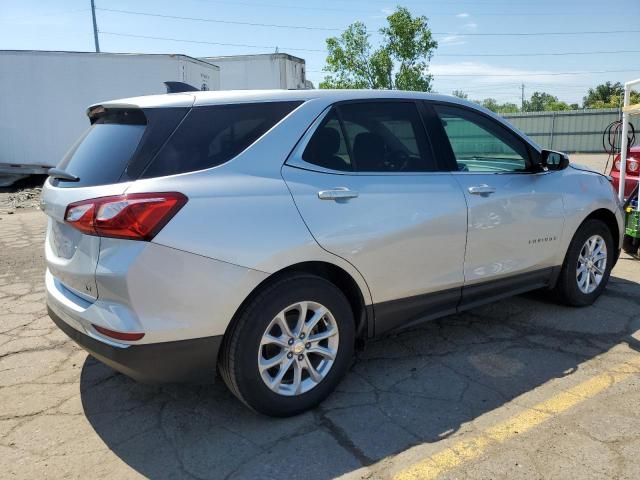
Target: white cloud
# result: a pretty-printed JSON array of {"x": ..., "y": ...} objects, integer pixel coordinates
[
  {"x": 470, "y": 26},
  {"x": 482, "y": 80},
  {"x": 387, "y": 10},
  {"x": 476, "y": 73},
  {"x": 451, "y": 40},
  {"x": 462, "y": 15}
]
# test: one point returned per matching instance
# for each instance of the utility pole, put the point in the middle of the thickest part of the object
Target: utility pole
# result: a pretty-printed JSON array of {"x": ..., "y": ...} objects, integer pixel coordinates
[
  {"x": 522, "y": 98},
  {"x": 95, "y": 26}
]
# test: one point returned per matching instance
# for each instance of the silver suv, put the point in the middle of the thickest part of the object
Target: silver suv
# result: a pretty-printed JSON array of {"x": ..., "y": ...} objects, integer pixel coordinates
[{"x": 266, "y": 233}]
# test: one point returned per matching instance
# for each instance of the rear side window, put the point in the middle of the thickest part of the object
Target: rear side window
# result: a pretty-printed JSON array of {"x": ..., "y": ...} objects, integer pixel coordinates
[
  {"x": 372, "y": 137},
  {"x": 210, "y": 136},
  {"x": 103, "y": 152},
  {"x": 327, "y": 147}
]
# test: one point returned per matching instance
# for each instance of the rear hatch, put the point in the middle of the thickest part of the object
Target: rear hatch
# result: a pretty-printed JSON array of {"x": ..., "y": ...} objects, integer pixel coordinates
[
  {"x": 114, "y": 151},
  {"x": 126, "y": 143}
]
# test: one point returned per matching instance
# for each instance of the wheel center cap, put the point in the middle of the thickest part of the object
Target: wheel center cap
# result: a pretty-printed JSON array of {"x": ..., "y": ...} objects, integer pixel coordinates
[{"x": 298, "y": 348}]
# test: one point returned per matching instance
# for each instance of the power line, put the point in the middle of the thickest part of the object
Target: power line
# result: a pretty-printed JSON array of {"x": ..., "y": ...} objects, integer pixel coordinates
[
  {"x": 540, "y": 54},
  {"x": 430, "y": 15},
  {"x": 303, "y": 27},
  {"x": 271, "y": 47},
  {"x": 42, "y": 15},
  {"x": 526, "y": 34},
  {"x": 530, "y": 74},
  {"x": 211, "y": 20},
  {"x": 324, "y": 50}
]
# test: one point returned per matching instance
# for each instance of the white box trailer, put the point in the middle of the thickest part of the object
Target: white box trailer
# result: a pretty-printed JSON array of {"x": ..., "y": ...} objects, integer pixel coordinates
[
  {"x": 44, "y": 96},
  {"x": 264, "y": 71}
]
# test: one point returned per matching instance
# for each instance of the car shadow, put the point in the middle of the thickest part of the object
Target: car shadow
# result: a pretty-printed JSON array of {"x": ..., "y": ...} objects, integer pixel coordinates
[{"x": 416, "y": 386}]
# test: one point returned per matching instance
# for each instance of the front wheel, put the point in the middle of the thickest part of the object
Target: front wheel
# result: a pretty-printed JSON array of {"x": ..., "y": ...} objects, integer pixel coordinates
[
  {"x": 587, "y": 266},
  {"x": 290, "y": 346},
  {"x": 630, "y": 245}
]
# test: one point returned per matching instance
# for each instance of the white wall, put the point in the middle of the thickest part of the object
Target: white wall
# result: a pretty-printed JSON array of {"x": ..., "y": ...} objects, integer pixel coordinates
[
  {"x": 295, "y": 74},
  {"x": 44, "y": 95},
  {"x": 255, "y": 72}
]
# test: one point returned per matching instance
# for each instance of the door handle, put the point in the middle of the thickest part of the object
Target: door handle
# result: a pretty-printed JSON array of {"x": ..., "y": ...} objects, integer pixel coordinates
[
  {"x": 481, "y": 190},
  {"x": 340, "y": 193}
]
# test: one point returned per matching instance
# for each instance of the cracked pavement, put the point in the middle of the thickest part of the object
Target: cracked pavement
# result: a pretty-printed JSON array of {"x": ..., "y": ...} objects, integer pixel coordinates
[{"x": 406, "y": 397}]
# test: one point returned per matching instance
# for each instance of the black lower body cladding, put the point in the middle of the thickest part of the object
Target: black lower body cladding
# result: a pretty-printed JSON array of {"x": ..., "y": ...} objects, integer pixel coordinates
[{"x": 192, "y": 360}]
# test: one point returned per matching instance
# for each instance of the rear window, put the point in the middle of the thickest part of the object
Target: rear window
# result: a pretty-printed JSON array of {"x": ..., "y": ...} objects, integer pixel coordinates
[
  {"x": 210, "y": 136},
  {"x": 103, "y": 152}
]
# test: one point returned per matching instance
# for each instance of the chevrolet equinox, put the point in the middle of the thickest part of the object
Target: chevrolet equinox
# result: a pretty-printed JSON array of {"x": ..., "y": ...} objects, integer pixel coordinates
[{"x": 265, "y": 233}]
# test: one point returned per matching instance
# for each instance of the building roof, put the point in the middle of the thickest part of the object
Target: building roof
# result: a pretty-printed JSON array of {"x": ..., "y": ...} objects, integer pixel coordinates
[
  {"x": 107, "y": 54},
  {"x": 233, "y": 58}
]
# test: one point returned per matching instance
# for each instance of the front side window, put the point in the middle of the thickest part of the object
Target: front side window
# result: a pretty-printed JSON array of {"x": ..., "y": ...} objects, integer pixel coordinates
[
  {"x": 371, "y": 137},
  {"x": 480, "y": 144}
]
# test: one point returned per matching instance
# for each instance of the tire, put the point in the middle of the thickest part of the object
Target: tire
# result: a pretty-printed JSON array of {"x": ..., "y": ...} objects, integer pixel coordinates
[
  {"x": 244, "y": 346},
  {"x": 570, "y": 288},
  {"x": 630, "y": 245}
]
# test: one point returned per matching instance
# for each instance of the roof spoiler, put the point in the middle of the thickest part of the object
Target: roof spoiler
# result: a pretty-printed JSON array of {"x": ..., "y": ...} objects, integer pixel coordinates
[{"x": 179, "y": 87}]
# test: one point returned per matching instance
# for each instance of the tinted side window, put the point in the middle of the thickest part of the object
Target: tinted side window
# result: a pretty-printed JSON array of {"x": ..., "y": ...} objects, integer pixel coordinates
[
  {"x": 103, "y": 152},
  {"x": 327, "y": 147},
  {"x": 480, "y": 144},
  {"x": 386, "y": 137},
  {"x": 210, "y": 136}
]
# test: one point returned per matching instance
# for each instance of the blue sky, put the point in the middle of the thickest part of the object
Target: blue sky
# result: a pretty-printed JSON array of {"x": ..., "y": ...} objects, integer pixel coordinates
[{"x": 460, "y": 62}]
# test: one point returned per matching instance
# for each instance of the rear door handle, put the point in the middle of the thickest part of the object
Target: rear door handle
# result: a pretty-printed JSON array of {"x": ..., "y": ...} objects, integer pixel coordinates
[
  {"x": 481, "y": 190},
  {"x": 339, "y": 193}
]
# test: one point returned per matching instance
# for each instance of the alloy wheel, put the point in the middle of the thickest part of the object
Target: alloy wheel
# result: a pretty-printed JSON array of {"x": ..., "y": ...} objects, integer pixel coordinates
[
  {"x": 298, "y": 348},
  {"x": 592, "y": 264}
]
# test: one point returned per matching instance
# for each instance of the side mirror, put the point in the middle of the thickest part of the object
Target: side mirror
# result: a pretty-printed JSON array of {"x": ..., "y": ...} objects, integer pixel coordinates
[{"x": 553, "y": 160}]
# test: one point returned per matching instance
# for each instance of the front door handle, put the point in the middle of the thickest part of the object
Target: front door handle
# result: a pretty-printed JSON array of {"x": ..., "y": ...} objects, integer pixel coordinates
[
  {"x": 340, "y": 193},
  {"x": 481, "y": 190}
]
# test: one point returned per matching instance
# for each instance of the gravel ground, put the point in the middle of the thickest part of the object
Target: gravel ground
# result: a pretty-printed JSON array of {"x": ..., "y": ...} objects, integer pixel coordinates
[{"x": 24, "y": 194}]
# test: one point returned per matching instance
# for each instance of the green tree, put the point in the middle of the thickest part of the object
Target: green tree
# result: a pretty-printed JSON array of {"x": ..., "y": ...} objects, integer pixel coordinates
[
  {"x": 603, "y": 95},
  {"x": 400, "y": 61},
  {"x": 542, "y": 102},
  {"x": 493, "y": 105},
  {"x": 608, "y": 95},
  {"x": 460, "y": 94}
]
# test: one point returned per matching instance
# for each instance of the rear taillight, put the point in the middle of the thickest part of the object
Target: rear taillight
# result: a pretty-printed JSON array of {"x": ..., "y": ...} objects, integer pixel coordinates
[{"x": 136, "y": 216}]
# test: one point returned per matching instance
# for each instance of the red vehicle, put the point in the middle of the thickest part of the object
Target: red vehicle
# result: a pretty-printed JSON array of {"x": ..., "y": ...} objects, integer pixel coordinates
[{"x": 633, "y": 171}]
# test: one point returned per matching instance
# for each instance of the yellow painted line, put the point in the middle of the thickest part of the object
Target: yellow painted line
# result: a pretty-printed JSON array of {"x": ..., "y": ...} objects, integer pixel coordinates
[{"x": 472, "y": 449}]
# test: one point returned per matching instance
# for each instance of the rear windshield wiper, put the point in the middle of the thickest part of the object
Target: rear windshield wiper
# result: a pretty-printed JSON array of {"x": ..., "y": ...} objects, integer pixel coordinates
[{"x": 62, "y": 175}]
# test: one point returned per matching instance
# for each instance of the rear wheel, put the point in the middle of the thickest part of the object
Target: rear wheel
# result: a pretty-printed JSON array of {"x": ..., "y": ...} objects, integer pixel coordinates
[
  {"x": 588, "y": 264},
  {"x": 290, "y": 346}
]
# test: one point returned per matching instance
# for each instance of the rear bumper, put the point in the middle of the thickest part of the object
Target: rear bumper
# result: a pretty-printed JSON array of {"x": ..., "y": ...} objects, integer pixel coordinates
[{"x": 191, "y": 360}]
